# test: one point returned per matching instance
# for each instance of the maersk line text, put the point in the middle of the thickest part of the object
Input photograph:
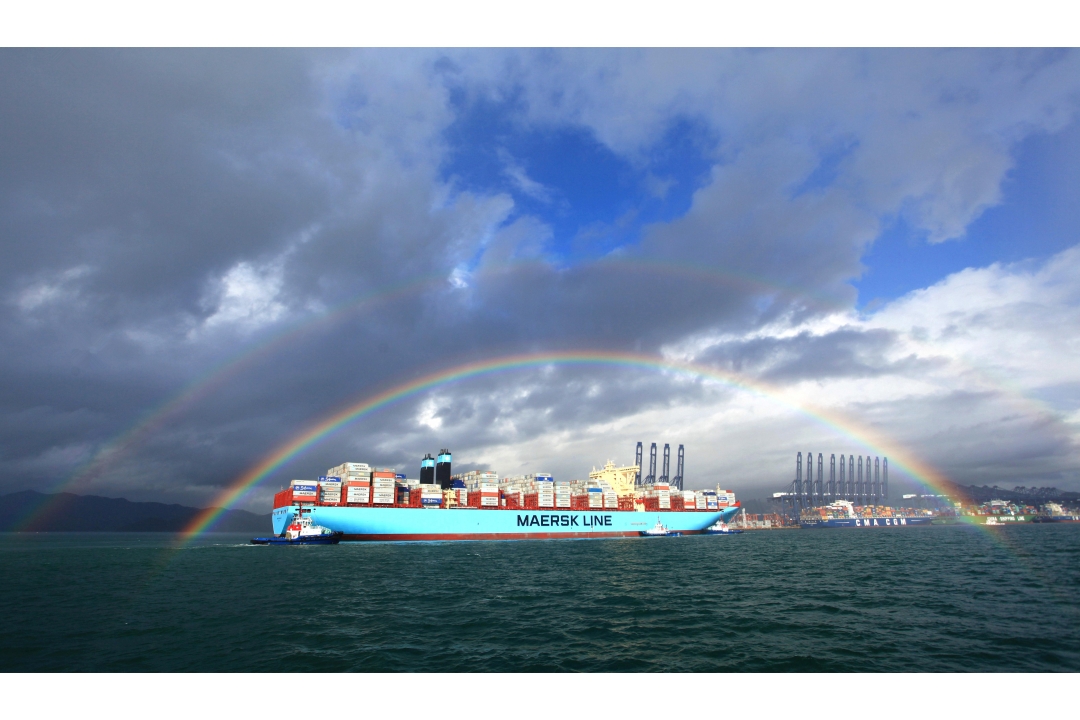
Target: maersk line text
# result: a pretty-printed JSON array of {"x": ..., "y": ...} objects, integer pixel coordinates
[{"x": 546, "y": 520}]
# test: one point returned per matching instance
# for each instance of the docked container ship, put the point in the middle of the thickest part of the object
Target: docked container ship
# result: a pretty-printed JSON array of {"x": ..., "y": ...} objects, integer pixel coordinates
[
  {"x": 843, "y": 513},
  {"x": 367, "y": 503}
]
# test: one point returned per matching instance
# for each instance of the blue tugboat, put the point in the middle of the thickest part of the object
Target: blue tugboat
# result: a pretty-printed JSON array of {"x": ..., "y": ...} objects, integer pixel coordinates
[
  {"x": 302, "y": 532},
  {"x": 659, "y": 530}
]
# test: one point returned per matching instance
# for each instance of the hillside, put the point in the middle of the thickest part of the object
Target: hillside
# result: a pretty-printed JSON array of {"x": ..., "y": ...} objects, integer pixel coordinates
[{"x": 67, "y": 512}]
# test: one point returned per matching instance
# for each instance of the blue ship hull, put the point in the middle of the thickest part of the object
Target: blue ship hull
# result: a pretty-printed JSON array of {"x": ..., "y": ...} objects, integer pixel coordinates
[
  {"x": 395, "y": 524},
  {"x": 865, "y": 522}
]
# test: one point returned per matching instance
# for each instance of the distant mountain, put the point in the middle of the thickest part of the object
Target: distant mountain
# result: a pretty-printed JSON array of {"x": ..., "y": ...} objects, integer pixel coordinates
[
  {"x": 67, "y": 512},
  {"x": 1020, "y": 494}
]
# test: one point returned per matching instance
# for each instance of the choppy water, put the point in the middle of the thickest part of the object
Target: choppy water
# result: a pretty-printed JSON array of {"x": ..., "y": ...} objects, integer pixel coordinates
[{"x": 906, "y": 599}]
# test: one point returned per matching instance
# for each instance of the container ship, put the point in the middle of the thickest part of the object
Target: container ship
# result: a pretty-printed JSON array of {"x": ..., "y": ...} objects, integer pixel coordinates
[
  {"x": 1001, "y": 512},
  {"x": 843, "y": 513},
  {"x": 1055, "y": 513},
  {"x": 379, "y": 504}
]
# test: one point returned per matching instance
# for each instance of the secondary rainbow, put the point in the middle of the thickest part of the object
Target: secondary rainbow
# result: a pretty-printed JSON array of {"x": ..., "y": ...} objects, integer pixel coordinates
[{"x": 899, "y": 457}]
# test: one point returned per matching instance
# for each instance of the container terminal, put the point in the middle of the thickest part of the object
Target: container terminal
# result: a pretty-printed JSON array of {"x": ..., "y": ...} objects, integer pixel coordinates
[
  {"x": 857, "y": 496},
  {"x": 361, "y": 502}
]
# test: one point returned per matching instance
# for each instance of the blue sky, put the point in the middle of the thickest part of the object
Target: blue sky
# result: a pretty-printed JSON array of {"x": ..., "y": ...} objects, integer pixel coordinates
[
  {"x": 1039, "y": 215},
  {"x": 594, "y": 199}
]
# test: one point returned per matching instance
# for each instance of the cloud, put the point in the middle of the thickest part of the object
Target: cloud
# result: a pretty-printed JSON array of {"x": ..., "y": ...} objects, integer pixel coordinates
[
  {"x": 521, "y": 180},
  {"x": 164, "y": 212},
  {"x": 246, "y": 296},
  {"x": 60, "y": 287}
]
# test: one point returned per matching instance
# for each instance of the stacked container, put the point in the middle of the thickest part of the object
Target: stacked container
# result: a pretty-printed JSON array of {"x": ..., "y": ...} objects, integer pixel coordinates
[
  {"x": 357, "y": 492},
  {"x": 562, "y": 494},
  {"x": 663, "y": 496},
  {"x": 724, "y": 498},
  {"x": 330, "y": 490},
  {"x": 431, "y": 496},
  {"x": 382, "y": 487},
  {"x": 545, "y": 491},
  {"x": 596, "y": 497},
  {"x": 408, "y": 491},
  {"x": 304, "y": 490},
  {"x": 489, "y": 494},
  {"x": 350, "y": 471}
]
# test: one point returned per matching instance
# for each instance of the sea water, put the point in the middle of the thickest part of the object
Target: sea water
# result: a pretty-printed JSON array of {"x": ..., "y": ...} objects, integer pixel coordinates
[{"x": 952, "y": 598}]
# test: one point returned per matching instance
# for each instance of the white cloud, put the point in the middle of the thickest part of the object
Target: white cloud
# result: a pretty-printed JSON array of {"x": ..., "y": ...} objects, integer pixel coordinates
[
  {"x": 245, "y": 297},
  {"x": 521, "y": 180}
]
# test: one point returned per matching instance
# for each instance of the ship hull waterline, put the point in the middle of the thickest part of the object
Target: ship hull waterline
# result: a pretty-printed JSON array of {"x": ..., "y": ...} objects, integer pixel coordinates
[{"x": 395, "y": 524}]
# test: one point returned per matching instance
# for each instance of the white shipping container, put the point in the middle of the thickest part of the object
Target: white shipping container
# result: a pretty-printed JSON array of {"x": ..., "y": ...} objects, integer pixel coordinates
[
  {"x": 612, "y": 504},
  {"x": 545, "y": 502},
  {"x": 357, "y": 495},
  {"x": 562, "y": 502},
  {"x": 489, "y": 502}
]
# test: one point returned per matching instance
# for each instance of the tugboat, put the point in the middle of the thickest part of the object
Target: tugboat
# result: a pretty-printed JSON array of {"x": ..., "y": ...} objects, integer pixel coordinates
[
  {"x": 659, "y": 530},
  {"x": 302, "y": 532},
  {"x": 721, "y": 528}
]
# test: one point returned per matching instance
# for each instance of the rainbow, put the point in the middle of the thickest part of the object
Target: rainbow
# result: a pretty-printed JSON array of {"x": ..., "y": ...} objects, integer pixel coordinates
[
  {"x": 207, "y": 383},
  {"x": 899, "y": 457}
]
